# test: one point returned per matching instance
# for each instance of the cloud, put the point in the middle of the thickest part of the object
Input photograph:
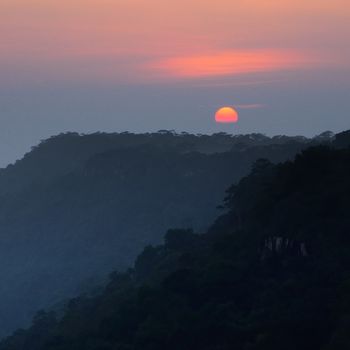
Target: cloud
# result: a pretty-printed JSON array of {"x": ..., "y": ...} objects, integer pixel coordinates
[
  {"x": 250, "y": 106},
  {"x": 228, "y": 63}
]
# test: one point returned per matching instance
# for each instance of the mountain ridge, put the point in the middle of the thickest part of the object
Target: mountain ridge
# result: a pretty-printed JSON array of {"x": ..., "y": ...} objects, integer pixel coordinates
[
  {"x": 272, "y": 272},
  {"x": 81, "y": 211}
]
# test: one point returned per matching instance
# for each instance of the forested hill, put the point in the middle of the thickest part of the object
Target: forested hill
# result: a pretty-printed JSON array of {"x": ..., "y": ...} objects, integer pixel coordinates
[
  {"x": 271, "y": 273},
  {"x": 64, "y": 153},
  {"x": 78, "y": 206}
]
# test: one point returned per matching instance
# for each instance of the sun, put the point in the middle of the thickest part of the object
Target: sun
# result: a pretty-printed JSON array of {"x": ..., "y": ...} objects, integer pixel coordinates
[{"x": 226, "y": 115}]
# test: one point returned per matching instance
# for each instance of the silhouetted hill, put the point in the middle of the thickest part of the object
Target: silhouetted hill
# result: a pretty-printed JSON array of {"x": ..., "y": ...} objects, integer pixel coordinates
[
  {"x": 342, "y": 140},
  {"x": 77, "y": 206},
  {"x": 272, "y": 273},
  {"x": 60, "y": 155}
]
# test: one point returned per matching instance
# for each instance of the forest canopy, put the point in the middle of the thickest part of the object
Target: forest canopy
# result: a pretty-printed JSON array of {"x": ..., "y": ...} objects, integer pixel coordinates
[{"x": 272, "y": 272}]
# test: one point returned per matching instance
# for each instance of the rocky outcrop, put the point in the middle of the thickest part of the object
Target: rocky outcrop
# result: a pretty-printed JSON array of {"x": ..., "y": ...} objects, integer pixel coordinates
[{"x": 278, "y": 245}]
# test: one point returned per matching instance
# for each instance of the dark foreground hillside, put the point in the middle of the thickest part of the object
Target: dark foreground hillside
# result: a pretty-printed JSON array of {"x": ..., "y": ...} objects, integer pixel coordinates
[
  {"x": 78, "y": 206},
  {"x": 272, "y": 273}
]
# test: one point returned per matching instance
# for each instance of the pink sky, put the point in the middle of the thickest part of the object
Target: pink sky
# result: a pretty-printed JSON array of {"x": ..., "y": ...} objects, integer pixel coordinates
[
  {"x": 140, "y": 41},
  {"x": 141, "y": 65}
]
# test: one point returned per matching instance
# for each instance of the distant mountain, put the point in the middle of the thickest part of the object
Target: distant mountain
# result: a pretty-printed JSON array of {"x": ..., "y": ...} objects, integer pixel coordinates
[
  {"x": 78, "y": 206},
  {"x": 271, "y": 273},
  {"x": 60, "y": 155}
]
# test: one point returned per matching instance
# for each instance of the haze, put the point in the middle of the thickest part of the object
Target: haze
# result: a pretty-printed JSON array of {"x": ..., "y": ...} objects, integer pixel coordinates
[{"x": 103, "y": 65}]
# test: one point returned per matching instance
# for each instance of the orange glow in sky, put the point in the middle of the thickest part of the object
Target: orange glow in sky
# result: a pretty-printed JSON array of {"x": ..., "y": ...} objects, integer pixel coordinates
[
  {"x": 230, "y": 63},
  {"x": 137, "y": 40}
]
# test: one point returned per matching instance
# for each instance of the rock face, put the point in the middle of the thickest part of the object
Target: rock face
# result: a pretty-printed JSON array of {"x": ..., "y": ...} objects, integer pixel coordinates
[{"x": 278, "y": 245}]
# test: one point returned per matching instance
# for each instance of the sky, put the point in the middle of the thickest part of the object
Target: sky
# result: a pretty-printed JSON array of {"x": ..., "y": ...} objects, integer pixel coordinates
[{"x": 140, "y": 66}]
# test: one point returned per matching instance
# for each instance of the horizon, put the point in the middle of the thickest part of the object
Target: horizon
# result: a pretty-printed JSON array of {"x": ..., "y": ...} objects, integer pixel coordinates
[
  {"x": 174, "y": 174},
  {"x": 111, "y": 66},
  {"x": 173, "y": 132}
]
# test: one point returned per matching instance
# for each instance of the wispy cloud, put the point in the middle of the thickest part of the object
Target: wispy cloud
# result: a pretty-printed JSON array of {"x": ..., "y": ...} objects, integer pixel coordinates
[
  {"x": 228, "y": 63},
  {"x": 250, "y": 106},
  {"x": 238, "y": 106}
]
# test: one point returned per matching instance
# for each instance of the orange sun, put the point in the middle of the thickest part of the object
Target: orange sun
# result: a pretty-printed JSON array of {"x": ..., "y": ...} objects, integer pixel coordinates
[{"x": 226, "y": 115}]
